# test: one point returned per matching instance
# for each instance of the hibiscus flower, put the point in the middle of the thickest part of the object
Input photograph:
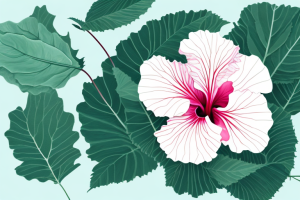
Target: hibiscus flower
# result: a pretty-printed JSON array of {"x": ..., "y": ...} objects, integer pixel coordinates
[{"x": 214, "y": 98}]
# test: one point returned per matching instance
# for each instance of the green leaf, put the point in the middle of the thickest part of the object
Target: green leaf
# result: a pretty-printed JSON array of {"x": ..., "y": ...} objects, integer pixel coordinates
[
  {"x": 42, "y": 138},
  {"x": 126, "y": 88},
  {"x": 278, "y": 158},
  {"x": 34, "y": 58},
  {"x": 190, "y": 178},
  {"x": 163, "y": 37},
  {"x": 227, "y": 170},
  {"x": 118, "y": 159},
  {"x": 105, "y": 15},
  {"x": 47, "y": 19},
  {"x": 286, "y": 96},
  {"x": 272, "y": 33}
]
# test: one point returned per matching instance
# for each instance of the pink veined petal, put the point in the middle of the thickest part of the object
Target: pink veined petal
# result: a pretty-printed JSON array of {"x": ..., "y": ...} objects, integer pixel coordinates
[
  {"x": 222, "y": 96},
  {"x": 212, "y": 59},
  {"x": 166, "y": 88},
  {"x": 252, "y": 75},
  {"x": 247, "y": 119},
  {"x": 190, "y": 138}
]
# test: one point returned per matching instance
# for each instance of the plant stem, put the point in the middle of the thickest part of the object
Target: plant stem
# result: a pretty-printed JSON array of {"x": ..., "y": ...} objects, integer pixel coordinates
[
  {"x": 102, "y": 48},
  {"x": 64, "y": 191},
  {"x": 104, "y": 98}
]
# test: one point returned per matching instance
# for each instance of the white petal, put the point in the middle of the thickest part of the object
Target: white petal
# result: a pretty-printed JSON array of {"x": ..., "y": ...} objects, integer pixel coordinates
[
  {"x": 188, "y": 140},
  {"x": 247, "y": 119},
  {"x": 252, "y": 75},
  {"x": 211, "y": 58},
  {"x": 166, "y": 88}
]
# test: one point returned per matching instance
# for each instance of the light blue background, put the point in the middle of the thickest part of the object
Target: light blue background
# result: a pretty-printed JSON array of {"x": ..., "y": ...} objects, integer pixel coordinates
[{"x": 152, "y": 186}]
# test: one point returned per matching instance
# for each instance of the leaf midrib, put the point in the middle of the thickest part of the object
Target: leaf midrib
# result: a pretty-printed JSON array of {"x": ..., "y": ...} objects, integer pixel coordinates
[
  {"x": 50, "y": 168},
  {"x": 44, "y": 60},
  {"x": 291, "y": 95},
  {"x": 99, "y": 18}
]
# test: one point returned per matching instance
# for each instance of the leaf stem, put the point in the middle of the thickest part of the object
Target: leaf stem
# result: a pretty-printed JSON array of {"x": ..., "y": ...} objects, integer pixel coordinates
[
  {"x": 102, "y": 48},
  {"x": 294, "y": 177},
  {"x": 104, "y": 98},
  {"x": 64, "y": 191}
]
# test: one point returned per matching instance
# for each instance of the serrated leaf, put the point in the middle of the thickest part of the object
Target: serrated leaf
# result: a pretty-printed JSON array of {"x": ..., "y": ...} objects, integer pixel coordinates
[
  {"x": 286, "y": 96},
  {"x": 272, "y": 33},
  {"x": 190, "y": 178},
  {"x": 278, "y": 158},
  {"x": 227, "y": 170},
  {"x": 126, "y": 88},
  {"x": 118, "y": 159},
  {"x": 163, "y": 37},
  {"x": 42, "y": 138},
  {"x": 47, "y": 19},
  {"x": 105, "y": 15},
  {"x": 34, "y": 58}
]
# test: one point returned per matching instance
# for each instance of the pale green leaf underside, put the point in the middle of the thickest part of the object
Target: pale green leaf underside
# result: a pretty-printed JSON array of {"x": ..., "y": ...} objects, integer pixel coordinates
[
  {"x": 126, "y": 88},
  {"x": 118, "y": 159},
  {"x": 227, "y": 170},
  {"x": 273, "y": 34},
  {"x": 105, "y": 15},
  {"x": 34, "y": 58},
  {"x": 42, "y": 138}
]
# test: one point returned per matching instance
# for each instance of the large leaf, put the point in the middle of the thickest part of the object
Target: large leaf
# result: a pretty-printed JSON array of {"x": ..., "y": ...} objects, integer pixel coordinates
[
  {"x": 34, "y": 58},
  {"x": 163, "y": 37},
  {"x": 42, "y": 138},
  {"x": 105, "y": 15},
  {"x": 118, "y": 159},
  {"x": 272, "y": 33},
  {"x": 278, "y": 158},
  {"x": 190, "y": 178},
  {"x": 286, "y": 96}
]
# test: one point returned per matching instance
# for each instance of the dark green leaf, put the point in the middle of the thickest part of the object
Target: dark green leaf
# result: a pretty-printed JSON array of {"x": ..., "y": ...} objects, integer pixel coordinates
[
  {"x": 118, "y": 159},
  {"x": 42, "y": 138},
  {"x": 163, "y": 37},
  {"x": 278, "y": 158},
  {"x": 227, "y": 170},
  {"x": 126, "y": 88},
  {"x": 34, "y": 58},
  {"x": 286, "y": 96},
  {"x": 105, "y": 15},
  {"x": 190, "y": 178},
  {"x": 272, "y": 33}
]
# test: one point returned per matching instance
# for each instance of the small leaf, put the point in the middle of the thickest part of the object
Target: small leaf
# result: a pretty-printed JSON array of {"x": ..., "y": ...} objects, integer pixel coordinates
[
  {"x": 105, "y": 15},
  {"x": 118, "y": 159},
  {"x": 272, "y": 33},
  {"x": 163, "y": 37},
  {"x": 227, "y": 170},
  {"x": 34, "y": 58},
  {"x": 286, "y": 96},
  {"x": 278, "y": 158},
  {"x": 126, "y": 88},
  {"x": 42, "y": 138}
]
